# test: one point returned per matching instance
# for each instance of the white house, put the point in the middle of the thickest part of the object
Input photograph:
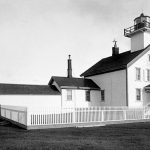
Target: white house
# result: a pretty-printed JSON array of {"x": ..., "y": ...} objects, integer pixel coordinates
[{"x": 124, "y": 78}]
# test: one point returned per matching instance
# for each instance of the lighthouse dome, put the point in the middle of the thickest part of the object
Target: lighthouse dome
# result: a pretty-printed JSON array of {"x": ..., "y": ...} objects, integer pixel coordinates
[{"x": 141, "y": 19}]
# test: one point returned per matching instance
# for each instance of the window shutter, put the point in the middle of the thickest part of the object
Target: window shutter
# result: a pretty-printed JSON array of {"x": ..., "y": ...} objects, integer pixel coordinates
[
  {"x": 144, "y": 77},
  {"x": 102, "y": 95},
  {"x": 138, "y": 94},
  {"x": 138, "y": 73},
  {"x": 148, "y": 74},
  {"x": 87, "y": 95}
]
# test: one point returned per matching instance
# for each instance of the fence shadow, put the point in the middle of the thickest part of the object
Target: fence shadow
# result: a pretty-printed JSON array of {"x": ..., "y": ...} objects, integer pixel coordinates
[{"x": 6, "y": 123}]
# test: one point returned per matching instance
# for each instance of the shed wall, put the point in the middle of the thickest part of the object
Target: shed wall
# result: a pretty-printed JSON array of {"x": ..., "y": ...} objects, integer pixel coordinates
[{"x": 51, "y": 101}]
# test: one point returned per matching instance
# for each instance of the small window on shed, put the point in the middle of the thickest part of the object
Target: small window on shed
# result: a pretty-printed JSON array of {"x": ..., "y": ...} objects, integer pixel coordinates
[
  {"x": 102, "y": 95},
  {"x": 69, "y": 95},
  {"x": 87, "y": 96}
]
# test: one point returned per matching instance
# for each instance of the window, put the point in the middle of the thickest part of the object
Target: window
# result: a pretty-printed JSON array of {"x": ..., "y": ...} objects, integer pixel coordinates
[
  {"x": 102, "y": 95},
  {"x": 149, "y": 58},
  {"x": 138, "y": 94},
  {"x": 69, "y": 95},
  {"x": 87, "y": 95},
  {"x": 138, "y": 73},
  {"x": 148, "y": 74}
]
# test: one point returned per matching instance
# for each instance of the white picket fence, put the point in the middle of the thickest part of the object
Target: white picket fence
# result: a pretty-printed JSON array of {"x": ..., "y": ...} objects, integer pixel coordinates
[
  {"x": 14, "y": 113},
  {"x": 85, "y": 115},
  {"x": 31, "y": 117}
]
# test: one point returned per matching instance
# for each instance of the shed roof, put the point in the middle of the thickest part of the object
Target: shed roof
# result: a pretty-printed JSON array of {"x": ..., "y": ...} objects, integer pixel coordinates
[
  {"x": 23, "y": 89},
  {"x": 79, "y": 83}
]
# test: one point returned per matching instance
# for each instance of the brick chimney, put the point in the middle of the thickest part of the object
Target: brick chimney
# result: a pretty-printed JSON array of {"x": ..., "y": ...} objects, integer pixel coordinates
[
  {"x": 69, "y": 70},
  {"x": 115, "y": 49}
]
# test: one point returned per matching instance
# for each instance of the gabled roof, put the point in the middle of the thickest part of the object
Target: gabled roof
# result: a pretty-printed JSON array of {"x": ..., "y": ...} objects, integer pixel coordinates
[
  {"x": 74, "y": 83},
  {"x": 20, "y": 89},
  {"x": 114, "y": 63}
]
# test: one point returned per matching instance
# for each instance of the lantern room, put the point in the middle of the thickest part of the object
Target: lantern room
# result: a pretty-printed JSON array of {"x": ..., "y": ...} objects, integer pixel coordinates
[
  {"x": 139, "y": 33},
  {"x": 141, "y": 21}
]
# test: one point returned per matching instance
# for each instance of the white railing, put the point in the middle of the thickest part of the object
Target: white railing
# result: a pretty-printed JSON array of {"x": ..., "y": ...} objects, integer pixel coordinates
[
  {"x": 47, "y": 116},
  {"x": 84, "y": 115},
  {"x": 15, "y": 113}
]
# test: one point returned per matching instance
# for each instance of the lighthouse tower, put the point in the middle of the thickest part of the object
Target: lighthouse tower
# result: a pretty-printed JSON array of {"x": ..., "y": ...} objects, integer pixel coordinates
[{"x": 139, "y": 33}]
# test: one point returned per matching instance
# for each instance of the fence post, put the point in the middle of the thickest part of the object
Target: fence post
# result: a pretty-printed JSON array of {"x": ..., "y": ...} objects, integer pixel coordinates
[
  {"x": 5, "y": 112},
  {"x": 144, "y": 113},
  {"x": 74, "y": 115},
  {"x": 125, "y": 117},
  {"x": 102, "y": 115},
  {"x": 26, "y": 117},
  {"x": 11, "y": 115},
  {"x": 18, "y": 116}
]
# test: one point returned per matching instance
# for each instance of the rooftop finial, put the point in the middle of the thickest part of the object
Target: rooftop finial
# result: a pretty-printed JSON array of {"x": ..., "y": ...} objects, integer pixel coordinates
[
  {"x": 142, "y": 14},
  {"x": 115, "y": 49},
  {"x": 115, "y": 43},
  {"x": 69, "y": 56}
]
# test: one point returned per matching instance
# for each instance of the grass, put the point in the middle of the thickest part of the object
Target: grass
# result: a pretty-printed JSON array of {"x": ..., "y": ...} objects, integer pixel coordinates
[{"x": 135, "y": 136}]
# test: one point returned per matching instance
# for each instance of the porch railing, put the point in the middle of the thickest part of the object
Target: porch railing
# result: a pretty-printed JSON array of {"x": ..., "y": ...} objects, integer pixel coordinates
[{"x": 136, "y": 27}]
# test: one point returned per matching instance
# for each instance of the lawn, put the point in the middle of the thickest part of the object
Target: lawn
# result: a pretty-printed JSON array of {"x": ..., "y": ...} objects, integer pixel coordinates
[{"x": 134, "y": 136}]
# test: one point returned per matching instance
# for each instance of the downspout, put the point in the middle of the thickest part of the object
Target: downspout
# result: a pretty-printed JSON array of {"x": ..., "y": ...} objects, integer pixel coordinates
[
  {"x": 111, "y": 94},
  {"x": 127, "y": 87},
  {"x": 0, "y": 110},
  {"x": 61, "y": 100}
]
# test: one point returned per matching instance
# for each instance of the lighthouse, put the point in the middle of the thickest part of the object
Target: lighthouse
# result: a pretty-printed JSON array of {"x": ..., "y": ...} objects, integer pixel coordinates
[{"x": 139, "y": 33}]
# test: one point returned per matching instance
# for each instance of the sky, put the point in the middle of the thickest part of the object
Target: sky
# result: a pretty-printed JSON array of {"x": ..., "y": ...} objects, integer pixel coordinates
[{"x": 36, "y": 36}]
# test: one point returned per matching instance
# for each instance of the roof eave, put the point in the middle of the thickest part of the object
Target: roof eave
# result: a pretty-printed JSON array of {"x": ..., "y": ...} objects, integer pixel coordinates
[
  {"x": 79, "y": 88},
  {"x": 146, "y": 49},
  {"x": 32, "y": 94},
  {"x": 123, "y": 68}
]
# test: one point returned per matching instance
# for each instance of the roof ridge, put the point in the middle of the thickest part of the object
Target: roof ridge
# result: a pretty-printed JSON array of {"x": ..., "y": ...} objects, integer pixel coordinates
[
  {"x": 24, "y": 84},
  {"x": 112, "y": 63},
  {"x": 67, "y": 77}
]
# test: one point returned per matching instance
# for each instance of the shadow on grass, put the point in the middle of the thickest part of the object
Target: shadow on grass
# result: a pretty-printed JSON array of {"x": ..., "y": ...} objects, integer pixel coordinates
[
  {"x": 6, "y": 123},
  {"x": 123, "y": 136}
]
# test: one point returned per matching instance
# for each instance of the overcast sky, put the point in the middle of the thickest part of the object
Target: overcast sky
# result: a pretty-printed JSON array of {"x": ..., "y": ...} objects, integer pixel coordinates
[{"x": 36, "y": 36}]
